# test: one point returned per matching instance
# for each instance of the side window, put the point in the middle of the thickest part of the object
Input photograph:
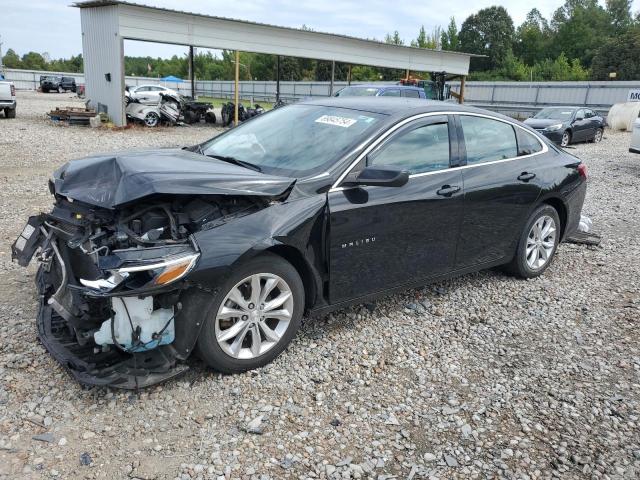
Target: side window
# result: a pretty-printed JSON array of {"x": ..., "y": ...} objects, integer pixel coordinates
[
  {"x": 487, "y": 140},
  {"x": 580, "y": 114},
  {"x": 394, "y": 92},
  {"x": 527, "y": 143},
  {"x": 423, "y": 149},
  {"x": 142, "y": 89},
  {"x": 410, "y": 93}
]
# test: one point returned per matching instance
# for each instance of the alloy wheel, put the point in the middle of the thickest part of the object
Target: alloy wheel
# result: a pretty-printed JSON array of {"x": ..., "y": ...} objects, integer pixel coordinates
[
  {"x": 566, "y": 138},
  {"x": 541, "y": 242},
  {"x": 151, "y": 119},
  {"x": 254, "y": 316},
  {"x": 598, "y": 136}
]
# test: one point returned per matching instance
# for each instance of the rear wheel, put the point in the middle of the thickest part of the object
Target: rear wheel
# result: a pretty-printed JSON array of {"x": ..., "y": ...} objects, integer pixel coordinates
[
  {"x": 566, "y": 139},
  {"x": 10, "y": 112},
  {"x": 537, "y": 244},
  {"x": 254, "y": 316}
]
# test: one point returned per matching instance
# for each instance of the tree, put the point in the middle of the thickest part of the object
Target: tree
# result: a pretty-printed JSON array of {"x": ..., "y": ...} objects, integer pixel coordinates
[
  {"x": 620, "y": 14},
  {"x": 489, "y": 32},
  {"x": 532, "y": 38},
  {"x": 33, "y": 61},
  {"x": 393, "y": 39},
  {"x": 11, "y": 59},
  {"x": 449, "y": 37},
  {"x": 579, "y": 27},
  {"x": 618, "y": 54},
  {"x": 431, "y": 41}
]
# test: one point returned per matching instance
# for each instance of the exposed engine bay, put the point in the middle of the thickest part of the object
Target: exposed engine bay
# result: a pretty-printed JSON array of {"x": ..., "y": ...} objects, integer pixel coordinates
[{"x": 110, "y": 279}]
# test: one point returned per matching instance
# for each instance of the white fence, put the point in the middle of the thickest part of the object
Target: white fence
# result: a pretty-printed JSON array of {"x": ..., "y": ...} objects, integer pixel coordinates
[{"x": 517, "y": 98}]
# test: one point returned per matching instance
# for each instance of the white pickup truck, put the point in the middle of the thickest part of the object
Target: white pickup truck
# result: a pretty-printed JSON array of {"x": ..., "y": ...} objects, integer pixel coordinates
[{"x": 8, "y": 99}]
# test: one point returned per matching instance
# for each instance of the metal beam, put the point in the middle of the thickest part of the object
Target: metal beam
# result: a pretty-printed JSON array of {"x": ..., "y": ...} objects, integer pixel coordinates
[
  {"x": 333, "y": 74},
  {"x": 192, "y": 73},
  {"x": 152, "y": 24}
]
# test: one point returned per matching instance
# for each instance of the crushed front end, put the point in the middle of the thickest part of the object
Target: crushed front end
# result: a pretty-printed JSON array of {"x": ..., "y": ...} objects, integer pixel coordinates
[{"x": 110, "y": 282}]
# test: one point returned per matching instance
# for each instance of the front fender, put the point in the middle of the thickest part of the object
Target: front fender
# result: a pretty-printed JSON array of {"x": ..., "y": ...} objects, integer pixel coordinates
[{"x": 298, "y": 224}]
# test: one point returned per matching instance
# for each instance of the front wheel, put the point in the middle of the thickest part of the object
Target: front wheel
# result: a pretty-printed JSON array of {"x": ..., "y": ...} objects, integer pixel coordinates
[
  {"x": 537, "y": 244},
  {"x": 566, "y": 139},
  {"x": 151, "y": 119},
  {"x": 597, "y": 138},
  {"x": 254, "y": 316},
  {"x": 60, "y": 89}
]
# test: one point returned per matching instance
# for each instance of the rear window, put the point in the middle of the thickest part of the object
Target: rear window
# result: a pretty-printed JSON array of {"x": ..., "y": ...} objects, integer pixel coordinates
[
  {"x": 527, "y": 143},
  {"x": 487, "y": 140},
  {"x": 411, "y": 93}
]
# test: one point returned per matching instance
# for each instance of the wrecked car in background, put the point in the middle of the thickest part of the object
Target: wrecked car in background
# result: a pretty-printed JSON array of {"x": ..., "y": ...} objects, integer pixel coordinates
[
  {"x": 171, "y": 109},
  {"x": 219, "y": 248}
]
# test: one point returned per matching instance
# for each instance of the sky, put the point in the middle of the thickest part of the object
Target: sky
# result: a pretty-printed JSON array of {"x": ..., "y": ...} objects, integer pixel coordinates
[{"x": 53, "y": 26}]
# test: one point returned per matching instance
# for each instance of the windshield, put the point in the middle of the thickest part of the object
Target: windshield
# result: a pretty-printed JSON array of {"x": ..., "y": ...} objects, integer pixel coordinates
[
  {"x": 358, "y": 92},
  {"x": 294, "y": 141},
  {"x": 554, "y": 114}
]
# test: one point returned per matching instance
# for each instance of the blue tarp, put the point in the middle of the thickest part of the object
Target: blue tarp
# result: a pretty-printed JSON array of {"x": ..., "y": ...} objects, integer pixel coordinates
[{"x": 171, "y": 78}]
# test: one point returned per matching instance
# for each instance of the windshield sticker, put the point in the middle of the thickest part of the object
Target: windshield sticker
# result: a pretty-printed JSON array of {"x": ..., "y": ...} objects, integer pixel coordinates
[{"x": 337, "y": 121}]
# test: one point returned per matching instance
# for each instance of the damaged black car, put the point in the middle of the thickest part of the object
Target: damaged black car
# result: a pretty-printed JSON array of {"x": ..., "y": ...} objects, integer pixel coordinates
[{"x": 148, "y": 257}]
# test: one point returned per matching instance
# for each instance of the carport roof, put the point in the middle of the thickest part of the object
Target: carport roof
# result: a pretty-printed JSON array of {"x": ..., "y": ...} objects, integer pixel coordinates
[{"x": 156, "y": 24}]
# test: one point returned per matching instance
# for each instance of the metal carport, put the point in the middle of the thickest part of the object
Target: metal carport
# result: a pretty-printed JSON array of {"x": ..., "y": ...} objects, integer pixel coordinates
[{"x": 106, "y": 24}]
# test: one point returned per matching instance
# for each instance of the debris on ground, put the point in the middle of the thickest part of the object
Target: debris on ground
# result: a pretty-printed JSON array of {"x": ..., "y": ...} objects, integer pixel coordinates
[{"x": 72, "y": 115}]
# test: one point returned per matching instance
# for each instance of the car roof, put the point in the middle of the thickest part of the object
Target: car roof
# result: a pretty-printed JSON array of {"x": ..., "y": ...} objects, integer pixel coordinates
[
  {"x": 565, "y": 107},
  {"x": 412, "y": 87},
  {"x": 396, "y": 106}
]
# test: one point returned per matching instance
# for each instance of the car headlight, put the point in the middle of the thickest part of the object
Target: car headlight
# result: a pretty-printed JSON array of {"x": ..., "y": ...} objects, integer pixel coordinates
[
  {"x": 165, "y": 271},
  {"x": 145, "y": 275},
  {"x": 552, "y": 128}
]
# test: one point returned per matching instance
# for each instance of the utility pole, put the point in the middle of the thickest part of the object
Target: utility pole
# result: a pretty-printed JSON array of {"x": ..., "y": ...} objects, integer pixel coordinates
[{"x": 1, "y": 57}]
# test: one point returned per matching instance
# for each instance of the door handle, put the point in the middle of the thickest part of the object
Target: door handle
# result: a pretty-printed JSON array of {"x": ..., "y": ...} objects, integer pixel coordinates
[
  {"x": 448, "y": 190},
  {"x": 526, "y": 176}
]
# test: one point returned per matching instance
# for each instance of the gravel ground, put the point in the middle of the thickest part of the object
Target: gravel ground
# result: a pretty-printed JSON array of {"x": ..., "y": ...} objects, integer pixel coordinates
[{"x": 484, "y": 376}]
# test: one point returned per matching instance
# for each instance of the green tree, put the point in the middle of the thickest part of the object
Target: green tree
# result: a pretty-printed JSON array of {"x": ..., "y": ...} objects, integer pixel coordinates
[
  {"x": 489, "y": 32},
  {"x": 11, "y": 59},
  {"x": 449, "y": 37},
  {"x": 620, "y": 55},
  {"x": 579, "y": 27},
  {"x": 532, "y": 38},
  {"x": 33, "y": 61},
  {"x": 620, "y": 13},
  {"x": 393, "y": 39}
]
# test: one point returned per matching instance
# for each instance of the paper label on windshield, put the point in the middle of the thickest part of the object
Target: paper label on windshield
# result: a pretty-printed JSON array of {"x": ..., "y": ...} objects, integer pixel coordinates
[{"x": 337, "y": 121}]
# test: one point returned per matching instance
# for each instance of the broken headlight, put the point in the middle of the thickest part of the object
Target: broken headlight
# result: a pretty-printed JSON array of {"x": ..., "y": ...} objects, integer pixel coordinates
[{"x": 150, "y": 273}]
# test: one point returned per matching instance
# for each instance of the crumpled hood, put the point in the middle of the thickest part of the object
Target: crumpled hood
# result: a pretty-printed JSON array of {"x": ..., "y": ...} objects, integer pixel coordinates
[
  {"x": 115, "y": 179},
  {"x": 540, "y": 123}
]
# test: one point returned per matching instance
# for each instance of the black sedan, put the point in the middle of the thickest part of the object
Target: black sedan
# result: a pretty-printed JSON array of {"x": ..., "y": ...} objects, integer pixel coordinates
[
  {"x": 222, "y": 247},
  {"x": 565, "y": 125}
]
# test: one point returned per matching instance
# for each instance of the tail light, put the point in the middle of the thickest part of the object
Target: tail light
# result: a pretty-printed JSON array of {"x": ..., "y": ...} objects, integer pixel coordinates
[
  {"x": 13, "y": 90},
  {"x": 582, "y": 170}
]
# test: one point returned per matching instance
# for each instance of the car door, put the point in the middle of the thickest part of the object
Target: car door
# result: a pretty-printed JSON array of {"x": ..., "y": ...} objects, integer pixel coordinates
[
  {"x": 580, "y": 126},
  {"x": 382, "y": 237},
  {"x": 501, "y": 185},
  {"x": 594, "y": 122}
]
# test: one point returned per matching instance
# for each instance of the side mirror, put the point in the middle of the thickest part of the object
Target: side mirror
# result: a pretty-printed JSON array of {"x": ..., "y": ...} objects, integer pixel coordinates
[{"x": 378, "y": 176}]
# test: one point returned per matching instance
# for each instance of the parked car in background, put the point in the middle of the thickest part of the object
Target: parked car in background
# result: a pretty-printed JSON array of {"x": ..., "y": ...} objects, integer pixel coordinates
[
  {"x": 8, "y": 99},
  {"x": 148, "y": 94},
  {"x": 565, "y": 125},
  {"x": 405, "y": 91},
  {"x": 306, "y": 208},
  {"x": 635, "y": 137},
  {"x": 54, "y": 83}
]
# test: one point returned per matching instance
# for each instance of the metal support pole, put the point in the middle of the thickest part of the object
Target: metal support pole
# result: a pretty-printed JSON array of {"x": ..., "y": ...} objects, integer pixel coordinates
[
  {"x": 349, "y": 76},
  {"x": 278, "y": 79},
  {"x": 237, "y": 88},
  {"x": 333, "y": 73},
  {"x": 192, "y": 73}
]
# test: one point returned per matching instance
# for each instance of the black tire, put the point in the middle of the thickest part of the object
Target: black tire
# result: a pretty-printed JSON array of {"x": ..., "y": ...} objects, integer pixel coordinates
[
  {"x": 210, "y": 117},
  {"x": 208, "y": 347},
  {"x": 519, "y": 265},
  {"x": 10, "y": 112},
  {"x": 227, "y": 116},
  {"x": 569, "y": 136},
  {"x": 45, "y": 90},
  {"x": 597, "y": 137}
]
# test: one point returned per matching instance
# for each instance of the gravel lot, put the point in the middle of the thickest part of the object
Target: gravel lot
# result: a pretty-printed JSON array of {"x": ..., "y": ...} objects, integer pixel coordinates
[{"x": 484, "y": 376}]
